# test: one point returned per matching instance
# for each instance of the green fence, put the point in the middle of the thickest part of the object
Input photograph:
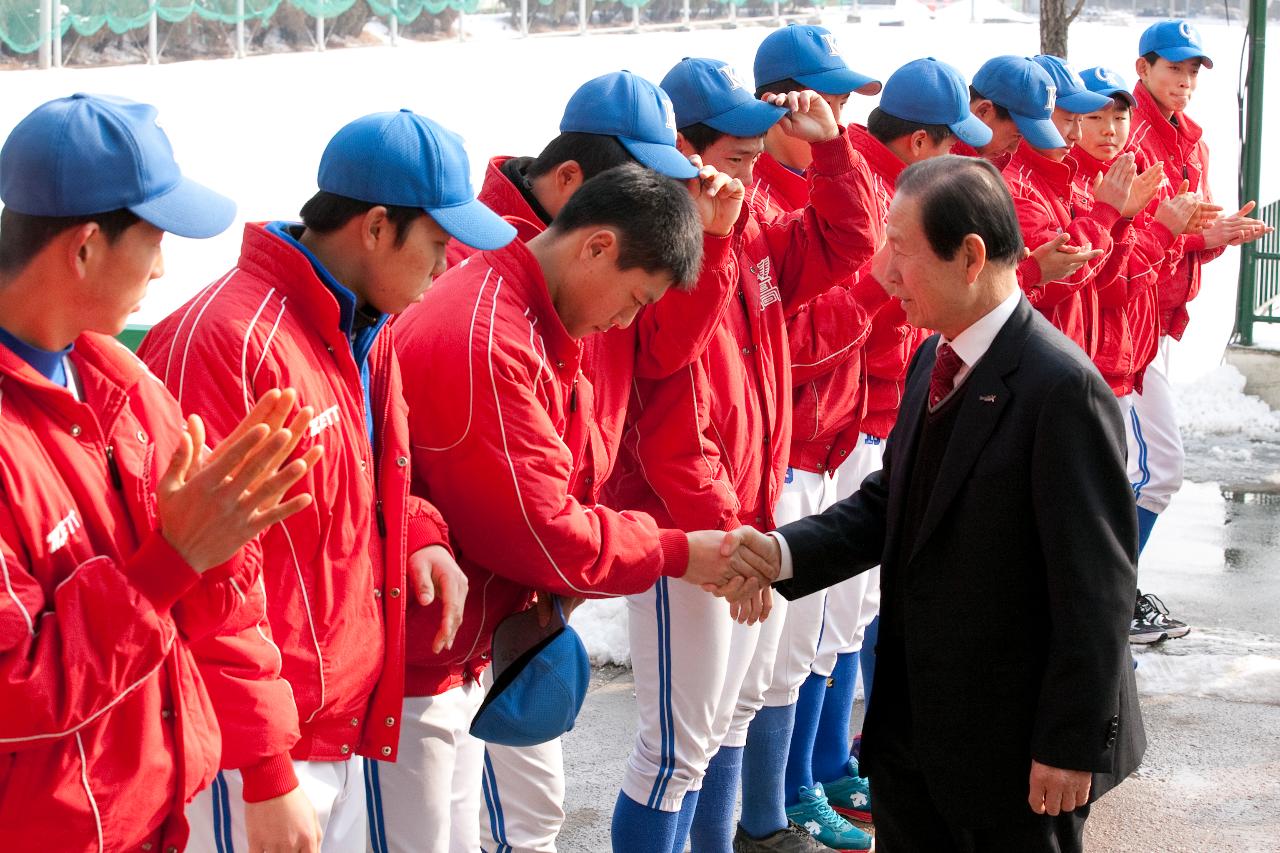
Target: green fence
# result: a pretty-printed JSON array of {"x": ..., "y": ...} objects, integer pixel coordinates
[
  {"x": 20, "y": 24},
  {"x": 1260, "y": 291}
]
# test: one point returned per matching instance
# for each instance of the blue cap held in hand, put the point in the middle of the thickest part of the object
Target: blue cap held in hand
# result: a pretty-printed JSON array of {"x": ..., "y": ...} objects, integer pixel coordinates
[
  {"x": 1072, "y": 95},
  {"x": 635, "y": 112},
  {"x": 711, "y": 92},
  {"x": 407, "y": 160},
  {"x": 1174, "y": 41},
  {"x": 1027, "y": 91},
  {"x": 932, "y": 92},
  {"x": 810, "y": 56},
  {"x": 89, "y": 154},
  {"x": 540, "y": 677},
  {"x": 1104, "y": 81}
]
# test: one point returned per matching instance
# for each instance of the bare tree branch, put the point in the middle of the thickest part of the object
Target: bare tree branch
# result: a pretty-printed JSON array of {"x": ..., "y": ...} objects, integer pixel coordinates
[{"x": 1075, "y": 11}]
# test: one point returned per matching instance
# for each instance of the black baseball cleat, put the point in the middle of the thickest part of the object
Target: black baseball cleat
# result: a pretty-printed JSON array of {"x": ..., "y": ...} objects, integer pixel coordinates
[
  {"x": 1151, "y": 622},
  {"x": 793, "y": 839}
]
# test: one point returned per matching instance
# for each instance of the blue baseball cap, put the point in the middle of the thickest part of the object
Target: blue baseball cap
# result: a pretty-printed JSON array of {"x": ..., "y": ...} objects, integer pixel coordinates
[
  {"x": 1026, "y": 90},
  {"x": 710, "y": 92},
  {"x": 636, "y": 113},
  {"x": 1174, "y": 41},
  {"x": 407, "y": 160},
  {"x": 90, "y": 154},
  {"x": 932, "y": 92},
  {"x": 809, "y": 55},
  {"x": 1072, "y": 94},
  {"x": 1104, "y": 81},
  {"x": 540, "y": 678}
]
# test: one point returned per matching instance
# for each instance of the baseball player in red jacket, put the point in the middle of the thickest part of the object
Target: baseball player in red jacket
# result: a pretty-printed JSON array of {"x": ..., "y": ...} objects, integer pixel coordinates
[
  {"x": 515, "y": 454},
  {"x": 307, "y": 305},
  {"x": 132, "y": 600},
  {"x": 1171, "y": 56},
  {"x": 604, "y": 119},
  {"x": 707, "y": 448}
]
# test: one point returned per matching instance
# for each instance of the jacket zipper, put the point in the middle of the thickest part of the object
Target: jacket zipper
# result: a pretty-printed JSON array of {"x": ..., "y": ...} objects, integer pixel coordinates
[{"x": 114, "y": 469}]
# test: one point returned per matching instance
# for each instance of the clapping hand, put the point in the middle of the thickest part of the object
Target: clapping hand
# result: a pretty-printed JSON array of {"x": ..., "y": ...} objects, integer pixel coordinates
[
  {"x": 1235, "y": 229},
  {"x": 1058, "y": 259},
  {"x": 1113, "y": 187}
]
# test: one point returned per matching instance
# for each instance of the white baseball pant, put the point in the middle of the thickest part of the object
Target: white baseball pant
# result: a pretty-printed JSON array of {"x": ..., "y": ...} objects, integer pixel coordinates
[
  {"x": 851, "y": 604},
  {"x": 335, "y": 789},
  {"x": 689, "y": 661},
  {"x": 523, "y": 798},
  {"x": 1155, "y": 445},
  {"x": 428, "y": 800}
]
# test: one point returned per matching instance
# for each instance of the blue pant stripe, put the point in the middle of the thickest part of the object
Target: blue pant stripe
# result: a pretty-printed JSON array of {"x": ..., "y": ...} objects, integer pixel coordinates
[
  {"x": 377, "y": 818},
  {"x": 666, "y": 758},
  {"x": 497, "y": 823},
  {"x": 666, "y": 692},
  {"x": 215, "y": 799},
  {"x": 1142, "y": 453},
  {"x": 221, "y": 793}
]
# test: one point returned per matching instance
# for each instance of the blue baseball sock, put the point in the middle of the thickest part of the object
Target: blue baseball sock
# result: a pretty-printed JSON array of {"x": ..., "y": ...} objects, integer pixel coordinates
[
  {"x": 712, "y": 830},
  {"x": 768, "y": 738},
  {"x": 1146, "y": 521},
  {"x": 800, "y": 756},
  {"x": 639, "y": 829},
  {"x": 831, "y": 746},
  {"x": 867, "y": 659},
  {"x": 688, "y": 808}
]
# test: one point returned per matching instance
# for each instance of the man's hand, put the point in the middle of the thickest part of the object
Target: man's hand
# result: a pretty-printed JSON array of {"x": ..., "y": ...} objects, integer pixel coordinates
[
  {"x": 1235, "y": 229},
  {"x": 1058, "y": 259},
  {"x": 545, "y": 603},
  {"x": 718, "y": 198},
  {"x": 714, "y": 564},
  {"x": 284, "y": 824},
  {"x": 1142, "y": 190},
  {"x": 1113, "y": 188},
  {"x": 1177, "y": 212},
  {"x": 1054, "y": 790},
  {"x": 434, "y": 574},
  {"x": 810, "y": 117},
  {"x": 211, "y": 505},
  {"x": 754, "y": 608}
]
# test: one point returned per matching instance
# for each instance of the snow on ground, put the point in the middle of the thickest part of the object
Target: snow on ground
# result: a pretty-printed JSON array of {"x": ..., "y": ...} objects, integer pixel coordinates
[{"x": 1215, "y": 404}]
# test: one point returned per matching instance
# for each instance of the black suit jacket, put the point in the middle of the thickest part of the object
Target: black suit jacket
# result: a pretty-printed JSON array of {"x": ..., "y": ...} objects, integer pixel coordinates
[{"x": 1015, "y": 601}]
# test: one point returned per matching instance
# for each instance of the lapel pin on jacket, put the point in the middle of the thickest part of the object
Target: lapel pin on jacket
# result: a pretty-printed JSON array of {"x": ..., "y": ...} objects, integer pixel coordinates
[{"x": 987, "y": 398}]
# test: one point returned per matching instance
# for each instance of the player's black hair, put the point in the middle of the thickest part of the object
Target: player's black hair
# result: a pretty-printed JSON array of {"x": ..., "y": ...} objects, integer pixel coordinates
[
  {"x": 1118, "y": 100},
  {"x": 1151, "y": 56},
  {"x": 655, "y": 218},
  {"x": 780, "y": 87},
  {"x": 887, "y": 128},
  {"x": 593, "y": 152},
  {"x": 1001, "y": 112},
  {"x": 701, "y": 136},
  {"x": 22, "y": 237},
  {"x": 326, "y": 212},
  {"x": 959, "y": 196}
]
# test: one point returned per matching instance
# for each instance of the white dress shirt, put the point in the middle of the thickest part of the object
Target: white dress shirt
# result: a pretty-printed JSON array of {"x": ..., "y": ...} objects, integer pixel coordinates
[{"x": 971, "y": 345}]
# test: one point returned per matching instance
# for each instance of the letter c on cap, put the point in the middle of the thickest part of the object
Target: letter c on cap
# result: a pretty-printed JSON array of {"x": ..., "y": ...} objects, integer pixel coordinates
[{"x": 1185, "y": 30}]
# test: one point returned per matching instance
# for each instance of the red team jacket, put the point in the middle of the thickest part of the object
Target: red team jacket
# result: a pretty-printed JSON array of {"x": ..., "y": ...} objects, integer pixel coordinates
[
  {"x": 335, "y": 572},
  {"x": 1128, "y": 303},
  {"x": 893, "y": 341},
  {"x": 1048, "y": 203},
  {"x": 707, "y": 448},
  {"x": 826, "y": 336},
  {"x": 111, "y": 647},
  {"x": 664, "y": 338},
  {"x": 501, "y": 417},
  {"x": 1185, "y": 157}
]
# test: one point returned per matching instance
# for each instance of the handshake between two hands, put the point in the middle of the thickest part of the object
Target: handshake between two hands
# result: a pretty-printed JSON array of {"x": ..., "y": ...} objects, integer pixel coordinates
[{"x": 739, "y": 566}]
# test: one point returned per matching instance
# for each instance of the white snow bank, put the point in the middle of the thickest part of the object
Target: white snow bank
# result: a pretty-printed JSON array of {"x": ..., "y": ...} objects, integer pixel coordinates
[
  {"x": 602, "y": 624},
  {"x": 1236, "y": 668},
  {"x": 1215, "y": 404}
]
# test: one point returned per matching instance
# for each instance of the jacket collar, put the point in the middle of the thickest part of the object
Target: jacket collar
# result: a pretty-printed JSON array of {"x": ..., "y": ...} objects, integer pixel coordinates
[
  {"x": 521, "y": 272},
  {"x": 1184, "y": 134},
  {"x": 788, "y": 190},
  {"x": 505, "y": 198},
  {"x": 1086, "y": 165},
  {"x": 106, "y": 369},
  {"x": 1056, "y": 174},
  {"x": 882, "y": 161}
]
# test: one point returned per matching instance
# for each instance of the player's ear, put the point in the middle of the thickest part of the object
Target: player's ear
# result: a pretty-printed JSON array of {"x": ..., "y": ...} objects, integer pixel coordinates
[
  {"x": 569, "y": 177},
  {"x": 683, "y": 145},
  {"x": 600, "y": 244}
]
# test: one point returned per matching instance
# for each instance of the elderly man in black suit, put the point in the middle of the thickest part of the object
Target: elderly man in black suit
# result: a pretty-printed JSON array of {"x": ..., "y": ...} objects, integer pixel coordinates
[{"x": 1004, "y": 699}]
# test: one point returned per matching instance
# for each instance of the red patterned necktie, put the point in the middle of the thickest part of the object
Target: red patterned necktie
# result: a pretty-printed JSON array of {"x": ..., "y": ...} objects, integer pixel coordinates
[{"x": 945, "y": 367}]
